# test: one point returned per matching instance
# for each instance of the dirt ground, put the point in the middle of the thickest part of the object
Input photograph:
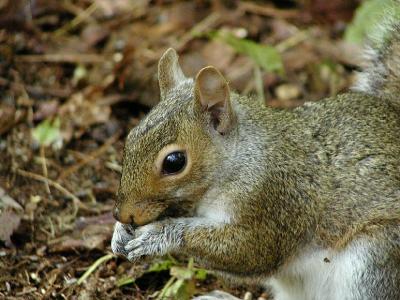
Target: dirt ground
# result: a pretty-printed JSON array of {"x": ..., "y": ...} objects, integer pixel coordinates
[{"x": 84, "y": 73}]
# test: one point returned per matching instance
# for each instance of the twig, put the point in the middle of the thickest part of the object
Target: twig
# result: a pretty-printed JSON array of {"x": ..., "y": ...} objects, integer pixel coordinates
[
  {"x": 113, "y": 166},
  {"x": 77, "y": 20},
  {"x": 37, "y": 90},
  {"x": 292, "y": 41},
  {"x": 94, "y": 266},
  {"x": 27, "y": 291},
  {"x": 116, "y": 98},
  {"x": 268, "y": 11},
  {"x": 44, "y": 168},
  {"x": 61, "y": 58},
  {"x": 90, "y": 157},
  {"x": 77, "y": 203},
  {"x": 208, "y": 22},
  {"x": 165, "y": 288}
]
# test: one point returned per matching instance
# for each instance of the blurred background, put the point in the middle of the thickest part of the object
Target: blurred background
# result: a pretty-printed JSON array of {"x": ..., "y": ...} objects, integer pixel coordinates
[{"x": 77, "y": 75}]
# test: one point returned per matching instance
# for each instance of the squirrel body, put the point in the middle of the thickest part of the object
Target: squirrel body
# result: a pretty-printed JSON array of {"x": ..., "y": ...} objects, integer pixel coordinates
[{"x": 304, "y": 201}]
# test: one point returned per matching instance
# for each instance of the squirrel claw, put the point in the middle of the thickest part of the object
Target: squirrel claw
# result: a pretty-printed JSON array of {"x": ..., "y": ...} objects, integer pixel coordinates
[
  {"x": 132, "y": 245},
  {"x": 150, "y": 240},
  {"x": 134, "y": 256},
  {"x": 119, "y": 239}
]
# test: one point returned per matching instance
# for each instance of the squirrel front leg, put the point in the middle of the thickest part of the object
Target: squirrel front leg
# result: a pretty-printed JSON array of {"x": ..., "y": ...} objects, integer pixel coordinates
[{"x": 220, "y": 246}]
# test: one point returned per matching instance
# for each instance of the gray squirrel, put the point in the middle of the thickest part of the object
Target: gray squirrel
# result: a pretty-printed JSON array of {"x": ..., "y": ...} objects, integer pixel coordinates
[{"x": 305, "y": 202}]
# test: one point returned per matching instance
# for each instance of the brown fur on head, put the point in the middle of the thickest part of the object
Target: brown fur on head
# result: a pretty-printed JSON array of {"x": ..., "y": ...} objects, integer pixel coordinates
[{"x": 188, "y": 118}]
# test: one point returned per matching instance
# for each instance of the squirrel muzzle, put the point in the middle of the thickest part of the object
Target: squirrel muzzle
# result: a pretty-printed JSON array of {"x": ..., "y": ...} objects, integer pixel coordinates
[{"x": 138, "y": 213}]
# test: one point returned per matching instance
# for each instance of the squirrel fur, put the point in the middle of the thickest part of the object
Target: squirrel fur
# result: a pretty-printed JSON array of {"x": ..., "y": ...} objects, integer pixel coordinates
[{"x": 305, "y": 202}]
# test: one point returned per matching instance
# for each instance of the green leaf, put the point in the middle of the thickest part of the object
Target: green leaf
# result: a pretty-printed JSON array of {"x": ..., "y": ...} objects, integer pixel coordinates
[
  {"x": 267, "y": 57},
  {"x": 182, "y": 273},
  {"x": 179, "y": 289},
  {"x": 125, "y": 281},
  {"x": 181, "y": 285},
  {"x": 190, "y": 264},
  {"x": 166, "y": 288},
  {"x": 175, "y": 288},
  {"x": 368, "y": 15},
  {"x": 47, "y": 132},
  {"x": 161, "y": 266},
  {"x": 201, "y": 274}
]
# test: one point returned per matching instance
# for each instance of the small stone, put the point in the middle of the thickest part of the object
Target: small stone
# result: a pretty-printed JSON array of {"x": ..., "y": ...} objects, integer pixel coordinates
[
  {"x": 287, "y": 91},
  {"x": 248, "y": 296}
]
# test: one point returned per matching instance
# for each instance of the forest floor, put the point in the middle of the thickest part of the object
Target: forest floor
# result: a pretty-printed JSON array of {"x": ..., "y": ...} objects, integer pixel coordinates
[{"x": 76, "y": 76}]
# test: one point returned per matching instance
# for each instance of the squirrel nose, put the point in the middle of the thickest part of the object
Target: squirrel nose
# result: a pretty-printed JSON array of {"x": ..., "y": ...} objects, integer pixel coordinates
[
  {"x": 122, "y": 216},
  {"x": 122, "y": 212}
]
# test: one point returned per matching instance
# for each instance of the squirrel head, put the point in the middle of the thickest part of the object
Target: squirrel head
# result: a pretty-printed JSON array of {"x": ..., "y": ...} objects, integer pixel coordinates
[{"x": 171, "y": 158}]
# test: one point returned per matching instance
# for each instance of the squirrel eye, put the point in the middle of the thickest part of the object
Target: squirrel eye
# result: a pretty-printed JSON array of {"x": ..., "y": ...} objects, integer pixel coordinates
[{"x": 174, "y": 162}]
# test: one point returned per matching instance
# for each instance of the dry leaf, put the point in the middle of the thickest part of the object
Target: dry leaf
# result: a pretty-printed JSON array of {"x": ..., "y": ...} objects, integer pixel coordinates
[{"x": 10, "y": 216}]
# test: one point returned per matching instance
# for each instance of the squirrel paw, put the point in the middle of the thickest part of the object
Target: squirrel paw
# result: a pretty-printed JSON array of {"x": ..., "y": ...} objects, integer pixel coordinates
[
  {"x": 150, "y": 240},
  {"x": 121, "y": 236}
]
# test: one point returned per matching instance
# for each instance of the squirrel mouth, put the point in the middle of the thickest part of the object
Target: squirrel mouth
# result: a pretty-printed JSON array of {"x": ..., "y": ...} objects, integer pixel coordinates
[{"x": 176, "y": 210}]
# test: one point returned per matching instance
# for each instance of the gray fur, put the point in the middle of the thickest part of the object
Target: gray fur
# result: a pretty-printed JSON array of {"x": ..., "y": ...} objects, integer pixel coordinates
[{"x": 325, "y": 177}]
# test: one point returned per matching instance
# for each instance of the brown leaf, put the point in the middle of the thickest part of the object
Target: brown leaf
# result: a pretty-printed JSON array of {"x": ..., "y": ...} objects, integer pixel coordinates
[
  {"x": 79, "y": 113},
  {"x": 218, "y": 54},
  {"x": 45, "y": 110},
  {"x": 10, "y": 217},
  {"x": 7, "y": 117},
  {"x": 89, "y": 234},
  {"x": 116, "y": 7}
]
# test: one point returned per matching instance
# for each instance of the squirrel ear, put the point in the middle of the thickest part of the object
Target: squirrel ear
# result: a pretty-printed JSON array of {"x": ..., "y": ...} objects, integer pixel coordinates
[
  {"x": 169, "y": 72},
  {"x": 212, "y": 94}
]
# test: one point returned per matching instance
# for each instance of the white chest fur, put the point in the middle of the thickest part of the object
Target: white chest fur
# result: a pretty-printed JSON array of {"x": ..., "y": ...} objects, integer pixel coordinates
[
  {"x": 322, "y": 274},
  {"x": 214, "y": 207}
]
